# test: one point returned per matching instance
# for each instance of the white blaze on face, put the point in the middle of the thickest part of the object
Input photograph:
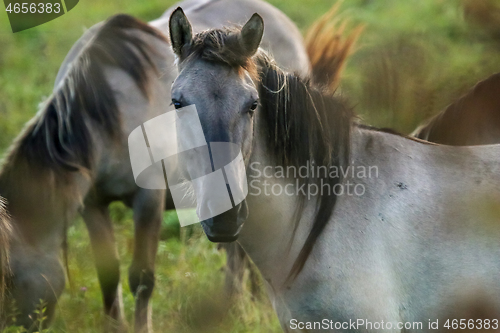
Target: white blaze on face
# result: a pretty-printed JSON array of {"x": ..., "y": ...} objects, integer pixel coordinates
[{"x": 173, "y": 144}]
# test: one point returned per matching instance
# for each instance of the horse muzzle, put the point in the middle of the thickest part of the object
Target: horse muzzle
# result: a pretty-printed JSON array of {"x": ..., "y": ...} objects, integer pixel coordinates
[{"x": 226, "y": 227}]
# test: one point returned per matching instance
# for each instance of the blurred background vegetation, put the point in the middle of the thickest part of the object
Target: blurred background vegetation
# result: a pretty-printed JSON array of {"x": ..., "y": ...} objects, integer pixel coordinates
[{"x": 413, "y": 58}]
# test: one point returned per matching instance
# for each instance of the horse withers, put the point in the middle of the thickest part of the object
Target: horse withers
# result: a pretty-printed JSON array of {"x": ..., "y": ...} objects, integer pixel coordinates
[{"x": 410, "y": 239}]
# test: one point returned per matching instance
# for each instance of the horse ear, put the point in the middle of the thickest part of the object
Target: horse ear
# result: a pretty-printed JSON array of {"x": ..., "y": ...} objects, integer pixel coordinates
[
  {"x": 251, "y": 34},
  {"x": 180, "y": 31}
]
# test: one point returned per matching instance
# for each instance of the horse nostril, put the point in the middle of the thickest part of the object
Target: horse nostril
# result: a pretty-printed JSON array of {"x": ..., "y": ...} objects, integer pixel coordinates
[{"x": 203, "y": 209}]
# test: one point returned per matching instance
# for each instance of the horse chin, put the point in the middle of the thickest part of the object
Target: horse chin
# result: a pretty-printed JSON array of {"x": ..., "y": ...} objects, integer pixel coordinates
[{"x": 226, "y": 227}]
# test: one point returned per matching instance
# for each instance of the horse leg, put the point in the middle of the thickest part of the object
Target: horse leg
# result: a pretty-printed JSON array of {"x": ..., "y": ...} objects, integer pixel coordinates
[
  {"x": 148, "y": 208},
  {"x": 100, "y": 228}
]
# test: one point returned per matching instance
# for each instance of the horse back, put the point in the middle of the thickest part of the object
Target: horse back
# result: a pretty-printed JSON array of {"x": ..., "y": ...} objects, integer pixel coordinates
[{"x": 474, "y": 119}]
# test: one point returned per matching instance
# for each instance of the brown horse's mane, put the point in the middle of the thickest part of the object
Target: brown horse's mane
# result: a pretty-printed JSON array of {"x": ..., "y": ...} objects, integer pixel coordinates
[
  {"x": 57, "y": 142},
  {"x": 305, "y": 122}
]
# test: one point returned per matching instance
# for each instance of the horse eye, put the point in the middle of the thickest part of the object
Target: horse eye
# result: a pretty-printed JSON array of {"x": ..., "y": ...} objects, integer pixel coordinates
[
  {"x": 254, "y": 106},
  {"x": 176, "y": 103}
]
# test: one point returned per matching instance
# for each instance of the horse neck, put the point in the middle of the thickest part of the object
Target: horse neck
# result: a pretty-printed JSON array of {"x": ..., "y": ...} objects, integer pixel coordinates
[
  {"x": 39, "y": 207},
  {"x": 268, "y": 234}
]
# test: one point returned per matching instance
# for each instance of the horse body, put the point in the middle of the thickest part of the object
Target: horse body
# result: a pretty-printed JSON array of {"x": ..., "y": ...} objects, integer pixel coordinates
[
  {"x": 400, "y": 252},
  {"x": 410, "y": 245}
]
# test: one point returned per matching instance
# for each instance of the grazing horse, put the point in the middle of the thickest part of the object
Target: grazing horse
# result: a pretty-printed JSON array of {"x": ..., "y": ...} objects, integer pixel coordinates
[
  {"x": 474, "y": 119},
  {"x": 73, "y": 155},
  {"x": 54, "y": 166},
  {"x": 379, "y": 227}
]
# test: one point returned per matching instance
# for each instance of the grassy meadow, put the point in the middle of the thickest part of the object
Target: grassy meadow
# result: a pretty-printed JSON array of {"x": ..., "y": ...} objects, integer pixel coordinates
[{"x": 413, "y": 58}]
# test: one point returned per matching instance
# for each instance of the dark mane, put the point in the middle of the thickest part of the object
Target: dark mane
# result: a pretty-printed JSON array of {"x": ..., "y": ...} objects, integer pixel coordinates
[
  {"x": 305, "y": 123},
  {"x": 58, "y": 139}
]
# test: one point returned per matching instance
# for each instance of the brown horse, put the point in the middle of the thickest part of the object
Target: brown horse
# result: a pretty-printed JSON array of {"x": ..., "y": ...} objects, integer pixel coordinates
[{"x": 474, "y": 119}]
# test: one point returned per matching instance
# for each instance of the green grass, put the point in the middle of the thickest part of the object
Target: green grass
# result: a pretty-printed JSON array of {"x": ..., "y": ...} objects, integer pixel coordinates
[
  {"x": 188, "y": 295},
  {"x": 414, "y": 58}
]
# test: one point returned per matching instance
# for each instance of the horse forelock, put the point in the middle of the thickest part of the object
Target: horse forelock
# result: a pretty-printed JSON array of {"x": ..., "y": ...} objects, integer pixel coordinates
[
  {"x": 57, "y": 141},
  {"x": 221, "y": 46},
  {"x": 305, "y": 123}
]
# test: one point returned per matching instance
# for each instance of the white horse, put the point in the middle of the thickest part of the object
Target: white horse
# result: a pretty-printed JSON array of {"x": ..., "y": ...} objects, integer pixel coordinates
[{"x": 394, "y": 231}]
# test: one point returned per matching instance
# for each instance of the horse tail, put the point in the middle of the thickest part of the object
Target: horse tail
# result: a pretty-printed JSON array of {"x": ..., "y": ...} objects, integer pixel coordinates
[
  {"x": 5, "y": 235},
  {"x": 328, "y": 48}
]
